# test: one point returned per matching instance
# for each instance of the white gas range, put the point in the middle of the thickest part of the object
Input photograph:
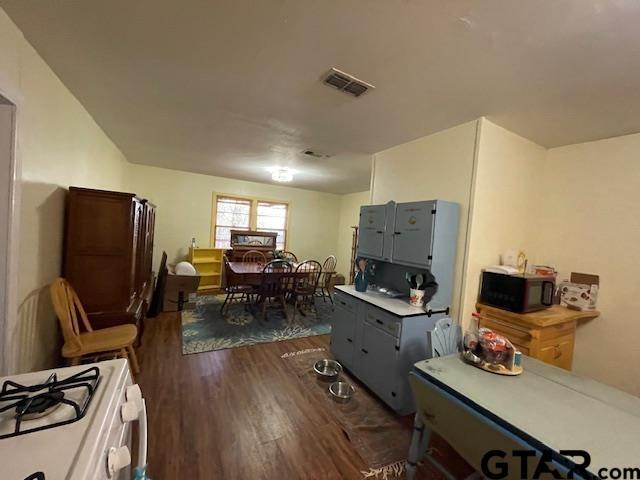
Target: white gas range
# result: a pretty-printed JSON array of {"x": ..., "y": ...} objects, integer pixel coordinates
[{"x": 71, "y": 424}]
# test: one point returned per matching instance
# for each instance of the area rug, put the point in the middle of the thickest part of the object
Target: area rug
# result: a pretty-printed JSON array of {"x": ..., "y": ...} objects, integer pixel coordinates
[
  {"x": 380, "y": 437},
  {"x": 205, "y": 328}
]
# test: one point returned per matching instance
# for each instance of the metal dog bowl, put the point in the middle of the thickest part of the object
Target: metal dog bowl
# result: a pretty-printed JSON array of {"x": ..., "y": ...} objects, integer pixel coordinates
[
  {"x": 341, "y": 391},
  {"x": 327, "y": 369}
]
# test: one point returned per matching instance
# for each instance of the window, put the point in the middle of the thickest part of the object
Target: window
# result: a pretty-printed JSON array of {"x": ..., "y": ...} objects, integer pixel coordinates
[
  {"x": 272, "y": 217},
  {"x": 232, "y": 213}
]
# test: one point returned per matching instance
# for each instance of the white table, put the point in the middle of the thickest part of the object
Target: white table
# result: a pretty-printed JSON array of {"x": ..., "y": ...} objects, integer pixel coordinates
[{"x": 546, "y": 410}]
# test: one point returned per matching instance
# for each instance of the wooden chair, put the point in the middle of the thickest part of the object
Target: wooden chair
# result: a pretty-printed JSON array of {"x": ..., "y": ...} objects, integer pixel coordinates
[
  {"x": 118, "y": 340},
  {"x": 254, "y": 256},
  {"x": 307, "y": 276},
  {"x": 236, "y": 293},
  {"x": 328, "y": 271},
  {"x": 275, "y": 278},
  {"x": 288, "y": 256}
]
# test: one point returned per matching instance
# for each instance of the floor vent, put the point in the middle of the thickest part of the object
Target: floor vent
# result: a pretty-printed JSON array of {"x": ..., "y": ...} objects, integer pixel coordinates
[{"x": 346, "y": 83}]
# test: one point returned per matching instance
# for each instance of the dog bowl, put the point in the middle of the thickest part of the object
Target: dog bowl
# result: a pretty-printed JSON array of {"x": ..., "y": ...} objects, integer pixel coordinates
[
  {"x": 327, "y": 369},
  {"x": 341, "y": 391}
]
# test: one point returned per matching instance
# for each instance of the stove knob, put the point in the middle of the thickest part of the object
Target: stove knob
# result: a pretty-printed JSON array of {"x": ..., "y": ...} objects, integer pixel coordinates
[
  {"x": 129, "y": 411},
  {"x": 117, "y": 459},
  {"x": 134, "y": 393}
]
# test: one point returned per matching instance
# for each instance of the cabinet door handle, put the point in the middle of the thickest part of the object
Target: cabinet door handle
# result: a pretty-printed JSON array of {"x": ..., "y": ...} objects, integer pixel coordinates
[
  {"x": 379, "y": 321},
  {"x": 349, "y": 340},
  {"x": 558, "y": 352},
  {"x": 379, "y": 231},
  {"x": 397, "y": 233},
  {"x": 365, "y": 351}
]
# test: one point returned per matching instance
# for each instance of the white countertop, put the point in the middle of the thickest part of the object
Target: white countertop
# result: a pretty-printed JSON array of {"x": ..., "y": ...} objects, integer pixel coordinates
[{"x": 397, "y": 306}]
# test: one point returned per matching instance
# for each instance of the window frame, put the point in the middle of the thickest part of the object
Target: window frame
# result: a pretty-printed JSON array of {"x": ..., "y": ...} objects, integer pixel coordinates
[{"x": 253, "y": 214}]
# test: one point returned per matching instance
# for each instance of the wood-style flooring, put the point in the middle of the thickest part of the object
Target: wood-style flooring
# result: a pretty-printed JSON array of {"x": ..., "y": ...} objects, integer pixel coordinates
[{"x": 235, "y": 414}]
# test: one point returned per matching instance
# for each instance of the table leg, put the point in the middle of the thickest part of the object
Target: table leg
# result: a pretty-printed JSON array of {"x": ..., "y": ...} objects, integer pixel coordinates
[{"x": 419, "y": 444}]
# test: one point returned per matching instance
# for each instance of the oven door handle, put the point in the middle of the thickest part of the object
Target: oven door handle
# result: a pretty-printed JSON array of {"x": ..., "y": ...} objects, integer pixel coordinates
[
  {"x": 140, "y": 472},
  {"x": 544, "y": 292}
]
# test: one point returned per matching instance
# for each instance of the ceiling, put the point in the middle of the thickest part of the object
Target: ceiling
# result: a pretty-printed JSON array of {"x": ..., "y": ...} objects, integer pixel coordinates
[{"x": 232, "y": 88}]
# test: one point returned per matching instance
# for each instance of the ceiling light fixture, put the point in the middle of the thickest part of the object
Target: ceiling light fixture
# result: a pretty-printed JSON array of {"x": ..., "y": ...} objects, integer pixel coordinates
[{"x": 282, "y": 175}]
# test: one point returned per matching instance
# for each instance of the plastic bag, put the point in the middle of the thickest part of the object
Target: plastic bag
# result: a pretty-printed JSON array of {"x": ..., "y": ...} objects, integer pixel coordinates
[{"x": 495, "y": 348}]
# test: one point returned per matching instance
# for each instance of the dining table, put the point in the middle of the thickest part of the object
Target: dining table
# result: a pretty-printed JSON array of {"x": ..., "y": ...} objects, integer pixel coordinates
[
  {"x": 519, "y": 426},
  {"x": 250, "y": 273}
]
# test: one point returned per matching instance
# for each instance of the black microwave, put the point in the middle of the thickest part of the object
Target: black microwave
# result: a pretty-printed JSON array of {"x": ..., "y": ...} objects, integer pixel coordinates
[{"x": 517, "y": 293}]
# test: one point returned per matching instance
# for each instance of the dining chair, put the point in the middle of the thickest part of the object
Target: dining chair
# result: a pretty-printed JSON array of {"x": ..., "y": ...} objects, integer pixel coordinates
[
  {"x": 305, "y": 283},
  {"x": 446, "y": 338},
  {"x": 288, "y": 256},
  {"x": 273, "y": 285},
  {"x": 254, "y": 256},
  {"x": 328, "y": 271},
  {"x": 117, "y": 340},
  {"x": 236, "y": 292}
]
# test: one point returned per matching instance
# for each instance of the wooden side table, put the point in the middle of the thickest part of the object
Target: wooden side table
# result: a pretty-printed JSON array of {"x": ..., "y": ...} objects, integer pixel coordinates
[{"x": 548, "y": 335}]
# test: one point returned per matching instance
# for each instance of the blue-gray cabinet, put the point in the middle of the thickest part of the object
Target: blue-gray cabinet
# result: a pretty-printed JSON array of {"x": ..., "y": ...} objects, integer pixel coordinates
[
  {"x": 420, "y": 235},
  {"x": 375, "y": 232},
  {"x": 413, "y": 233},
  {"x": 380, "y": 347},
  {"x": 410, "y": 233}
]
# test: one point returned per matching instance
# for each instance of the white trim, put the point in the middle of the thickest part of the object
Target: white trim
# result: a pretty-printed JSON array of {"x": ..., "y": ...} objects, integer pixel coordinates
[
  {"x": 467, "y": 239},
  {"x": 372, "y": 179},
  {"x": 9, "y": 319}
]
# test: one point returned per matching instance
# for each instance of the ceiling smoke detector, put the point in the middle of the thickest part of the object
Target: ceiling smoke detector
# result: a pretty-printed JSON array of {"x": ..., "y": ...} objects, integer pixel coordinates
[
  {"x": 282, "y": 175},
  {"x": 346, "y": 83}
]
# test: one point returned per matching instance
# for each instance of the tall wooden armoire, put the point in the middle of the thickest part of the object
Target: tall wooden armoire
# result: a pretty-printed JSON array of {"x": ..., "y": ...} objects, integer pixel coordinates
[{"x": 108, "y": 254}]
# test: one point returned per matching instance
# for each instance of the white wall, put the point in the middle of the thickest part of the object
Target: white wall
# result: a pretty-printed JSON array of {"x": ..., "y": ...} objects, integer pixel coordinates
[
  {"x": 504, "y": 207},
  {"x": 184, "y": 202},
  {"x": 588, "y": 222},
  {"x": 439, "y": 166},
  {"x": 349, "y": 216},
  {"x": 572, "y": 207},
  {"x": 59, "y": 145}
]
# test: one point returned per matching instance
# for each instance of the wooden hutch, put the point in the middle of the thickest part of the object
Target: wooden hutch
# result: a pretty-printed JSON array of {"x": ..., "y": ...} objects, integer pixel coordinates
[
  {"x": 244, "y": 240},
  {"x": 108, "y": 254}
]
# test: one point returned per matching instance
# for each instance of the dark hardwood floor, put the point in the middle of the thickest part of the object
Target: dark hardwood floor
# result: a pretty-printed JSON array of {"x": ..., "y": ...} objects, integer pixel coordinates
[{"x": 235, "y": 414}]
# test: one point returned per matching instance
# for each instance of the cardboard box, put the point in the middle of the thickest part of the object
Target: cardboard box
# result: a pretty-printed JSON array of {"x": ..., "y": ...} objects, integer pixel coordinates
[
  {"x": 581, "y": 293},
  {"x": 179, "y": 291}
]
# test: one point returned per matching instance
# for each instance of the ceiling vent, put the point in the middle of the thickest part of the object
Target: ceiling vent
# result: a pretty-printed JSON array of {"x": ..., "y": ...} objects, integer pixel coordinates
[
  {"x": 315, "y": 154},
  {"x": 346, "y": 83}
]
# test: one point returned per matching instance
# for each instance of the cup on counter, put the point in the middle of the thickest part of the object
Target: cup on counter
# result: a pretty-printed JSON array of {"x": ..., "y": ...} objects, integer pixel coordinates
[{"x": 416, "y": 297}]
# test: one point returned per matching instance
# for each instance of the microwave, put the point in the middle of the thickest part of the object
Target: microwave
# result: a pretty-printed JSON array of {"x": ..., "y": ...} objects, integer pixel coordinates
[{"x": 517, "y": 293}]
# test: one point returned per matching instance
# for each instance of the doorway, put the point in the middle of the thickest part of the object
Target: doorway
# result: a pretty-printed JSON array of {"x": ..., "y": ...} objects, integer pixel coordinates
[{"x": 8, "y": 243}]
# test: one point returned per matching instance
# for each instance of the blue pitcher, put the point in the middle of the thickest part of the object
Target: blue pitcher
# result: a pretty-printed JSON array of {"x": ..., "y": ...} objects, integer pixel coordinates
[{"x": 361, "y": 281}]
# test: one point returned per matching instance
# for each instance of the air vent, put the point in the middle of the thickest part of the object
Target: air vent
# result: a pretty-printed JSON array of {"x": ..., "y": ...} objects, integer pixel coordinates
[
  {"x": 315, "y": 154},
  {"x": 346, "y": 83}
]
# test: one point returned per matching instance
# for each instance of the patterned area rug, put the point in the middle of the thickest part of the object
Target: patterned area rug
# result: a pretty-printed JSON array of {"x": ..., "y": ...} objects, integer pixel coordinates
[{"x": 205, "y": 329}]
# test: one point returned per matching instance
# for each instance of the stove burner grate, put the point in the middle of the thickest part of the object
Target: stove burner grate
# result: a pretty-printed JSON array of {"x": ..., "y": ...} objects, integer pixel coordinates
[
  {"x": 35, "y": 401},
  {"x": 39, "y": 405}
]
